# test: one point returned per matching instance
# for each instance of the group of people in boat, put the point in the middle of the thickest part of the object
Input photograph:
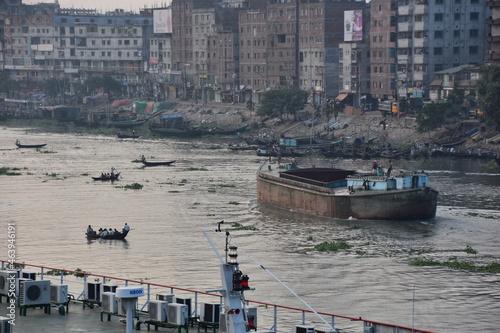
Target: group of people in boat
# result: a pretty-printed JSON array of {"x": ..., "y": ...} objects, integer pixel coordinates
[
  {"x": 109, "y": 174},
  {"x": 107, "y": 232}
]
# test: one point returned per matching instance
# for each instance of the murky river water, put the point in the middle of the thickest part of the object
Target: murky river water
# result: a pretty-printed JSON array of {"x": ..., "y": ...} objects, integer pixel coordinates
[{"x": 54, "y": 199}]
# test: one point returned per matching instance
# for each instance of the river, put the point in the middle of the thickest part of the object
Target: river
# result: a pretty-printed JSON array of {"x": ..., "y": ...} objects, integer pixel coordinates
[{"x": 54, "y": 198}]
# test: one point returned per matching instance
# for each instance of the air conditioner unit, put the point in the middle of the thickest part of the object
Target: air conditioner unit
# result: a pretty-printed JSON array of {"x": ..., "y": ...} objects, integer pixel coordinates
[
  {"x": 5, "y": 325},
  {"x": 109, "y": 303},
  {"x": 186, "y": 301},
  {"x": 302, "y": 329},
  {"x": 222, "y": 323},
  {"x": 34, "y": 292},
  {"x": 252, "y": 315},
  {"x": 177, "y": 314},
  {"x": 28, "y": 275},
  {"x": 158, "y": 310},
  {"x": 6, "y": 278},
  {"x": 209, "y": 312},
  {"x": 165, "y": 297},
  {"x": 121, "y": 307},
  {"x": 18, "y": 284},
  {"x": 59, "y": 293},
  {"x": 93, "y": 291},
  {"x": 111, "y": 288}
]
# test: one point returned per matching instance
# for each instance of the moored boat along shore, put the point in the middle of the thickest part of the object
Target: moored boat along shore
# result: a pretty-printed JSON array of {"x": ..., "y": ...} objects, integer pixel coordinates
[{"x": 397, "y": 134}]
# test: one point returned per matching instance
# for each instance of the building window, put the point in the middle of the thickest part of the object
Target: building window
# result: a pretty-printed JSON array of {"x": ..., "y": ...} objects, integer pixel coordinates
[
  {"x": 438, "y": 34},
  {"x": 438, "y": 51},
  {"x": 438, "y": 17},
  {"x": 456, "y": 50},
  {"x": 474, "y": 16},
  {"x": 473, "y": 33},
  {"x": 473, "y": 50},
  {"x": 456, "y": 16},
  {"x": 456, "y": 33}
]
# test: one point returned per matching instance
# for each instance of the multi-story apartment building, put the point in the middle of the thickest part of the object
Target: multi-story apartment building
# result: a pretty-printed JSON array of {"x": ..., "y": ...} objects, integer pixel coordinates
[
  {"x": 383, "y": 49},
  {"x": 492, "y": 55},
  {"x": 433, "y": 35},
  {"x": 44, "y": 41}
]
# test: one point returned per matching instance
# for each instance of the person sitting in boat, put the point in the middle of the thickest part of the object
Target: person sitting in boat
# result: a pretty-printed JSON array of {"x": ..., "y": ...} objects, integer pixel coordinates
[
  {"x": 90, "y": 231},
  {"x": 112, "y": 171},
  {"x": 111, "y": 232},
  {"x": 294, "y": 162},
  {"x": 143, "y": 158},
  {"x": 116, "y": 232},
  {"x": 104, "y": 232},
  {"x": 100, "y": 232},
  {"x": 18, "y": 142},
  {"x": 126, "y": 228}
]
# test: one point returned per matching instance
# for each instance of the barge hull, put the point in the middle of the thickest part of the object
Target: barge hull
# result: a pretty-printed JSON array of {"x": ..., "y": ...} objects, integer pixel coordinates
[{"x": 407, "y": 204}]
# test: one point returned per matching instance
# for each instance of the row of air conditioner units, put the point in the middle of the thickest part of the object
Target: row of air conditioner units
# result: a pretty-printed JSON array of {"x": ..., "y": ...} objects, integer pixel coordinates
[
  {"x": 7, "y": 277},
  {"x": 31, "y": 291}
]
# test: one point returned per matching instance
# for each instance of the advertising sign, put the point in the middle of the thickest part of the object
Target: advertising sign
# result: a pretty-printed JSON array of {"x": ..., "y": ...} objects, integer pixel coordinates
[{"x": 353, "y": 25}]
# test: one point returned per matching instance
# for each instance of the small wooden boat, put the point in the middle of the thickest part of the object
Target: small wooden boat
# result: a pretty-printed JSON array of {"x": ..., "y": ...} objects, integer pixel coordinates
[
  {"x": 126, "y": 136},
  {"x": 146, "y": 163},
  {"x": 105, "y": 177},
  {"x": 177, "y": 132},
  {"x": 120, "y": 236},
  {"x": 19, "y": 145}
]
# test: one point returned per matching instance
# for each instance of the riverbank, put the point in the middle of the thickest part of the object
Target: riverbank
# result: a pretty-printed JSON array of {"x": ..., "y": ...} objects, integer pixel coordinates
[{"x": 398, "y": 132}]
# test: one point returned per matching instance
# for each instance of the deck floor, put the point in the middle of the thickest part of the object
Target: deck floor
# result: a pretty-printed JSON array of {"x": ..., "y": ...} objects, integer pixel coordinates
[{"x": 77, "y": 319}]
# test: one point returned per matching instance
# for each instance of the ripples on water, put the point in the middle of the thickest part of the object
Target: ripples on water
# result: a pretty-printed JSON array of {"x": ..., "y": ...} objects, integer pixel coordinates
[{"x": 54, "y": 200}]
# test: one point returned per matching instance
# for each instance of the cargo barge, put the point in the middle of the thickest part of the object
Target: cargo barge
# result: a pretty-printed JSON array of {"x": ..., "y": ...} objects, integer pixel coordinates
[{"x": 345, "y": 194}]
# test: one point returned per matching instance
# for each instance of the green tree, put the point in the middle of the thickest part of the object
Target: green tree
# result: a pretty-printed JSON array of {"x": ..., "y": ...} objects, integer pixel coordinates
[
  {"x": 435, "y": 115},
  {"x": 488, "y": 88},
  {"x": 282, "y": 102},
  {"x": 5, "y": 82},
  {"x": 106, "y": 82},
  {"x": 431, "y": 116},
  {"x": 54, "y": 87}
]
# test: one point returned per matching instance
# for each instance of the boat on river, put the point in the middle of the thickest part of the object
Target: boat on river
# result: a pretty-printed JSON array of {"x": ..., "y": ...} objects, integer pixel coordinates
[
  {"x": 19, "y": 145},
  {"x": 176, "y": 132},
  {"x": 105, "y": 177},
  {"x": 155, "y": 163},
  {"x": 120, "y": 235},
  {"x": 121, "y": 135},
  {"x": 346, "y": 194}
]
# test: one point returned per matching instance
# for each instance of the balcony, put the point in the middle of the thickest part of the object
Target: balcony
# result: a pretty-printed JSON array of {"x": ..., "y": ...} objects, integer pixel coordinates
[
  {"x": 404, "y": 43},
  {"x": 404, "y": 27},
  {"x": 420, "y": 42},
  {"x": 420, "y": 58},
  {"x": 419, "y": 26},
  {"x": 421, "y": 9},
  {"x": 403, "y": 10}
]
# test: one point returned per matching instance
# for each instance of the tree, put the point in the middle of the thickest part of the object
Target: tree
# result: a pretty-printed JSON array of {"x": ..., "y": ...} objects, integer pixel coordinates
[
  {"x": 282, "y": 101},
  {"x": 434, "y": 115},
  {"x": 106, "y": 83},
  {"x": 488, "y": 88},
  {"x": 5, "y": 82}
]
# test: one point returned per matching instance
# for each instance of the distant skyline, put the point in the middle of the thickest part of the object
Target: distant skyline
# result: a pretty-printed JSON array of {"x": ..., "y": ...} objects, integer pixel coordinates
[{"x": 106, "y": 5}]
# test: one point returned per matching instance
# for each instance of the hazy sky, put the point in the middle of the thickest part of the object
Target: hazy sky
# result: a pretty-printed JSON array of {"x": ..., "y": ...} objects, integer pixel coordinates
[{"x": 106, "y": 5}]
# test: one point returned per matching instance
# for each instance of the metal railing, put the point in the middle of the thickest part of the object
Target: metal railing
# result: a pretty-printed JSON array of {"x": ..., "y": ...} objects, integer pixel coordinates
[{"x": 272, "y": 318}]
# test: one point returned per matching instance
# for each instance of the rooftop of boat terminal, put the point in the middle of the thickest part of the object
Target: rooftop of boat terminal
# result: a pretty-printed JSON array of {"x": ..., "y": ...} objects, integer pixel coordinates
[{"x": 86, "y": 307}]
